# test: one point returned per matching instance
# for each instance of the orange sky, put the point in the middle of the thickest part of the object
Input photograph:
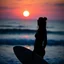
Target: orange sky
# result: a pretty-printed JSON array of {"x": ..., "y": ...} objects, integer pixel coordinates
[{"x": 13, "y": 9}]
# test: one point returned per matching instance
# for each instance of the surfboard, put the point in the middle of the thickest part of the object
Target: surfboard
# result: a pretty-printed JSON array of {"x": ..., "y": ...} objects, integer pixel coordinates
[{"x": 26, "y": 56}]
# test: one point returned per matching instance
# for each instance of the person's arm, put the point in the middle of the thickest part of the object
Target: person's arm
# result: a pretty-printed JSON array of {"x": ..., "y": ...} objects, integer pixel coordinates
[{"x": 45, "y": 39}]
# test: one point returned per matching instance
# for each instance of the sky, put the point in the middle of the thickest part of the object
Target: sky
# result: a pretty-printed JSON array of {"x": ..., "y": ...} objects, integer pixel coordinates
[{"x": 13, "y": 9}]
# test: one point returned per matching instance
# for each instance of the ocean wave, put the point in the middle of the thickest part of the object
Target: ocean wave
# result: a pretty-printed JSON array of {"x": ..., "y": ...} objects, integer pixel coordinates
[
  {"x": 16, "y": 31},
  {"x": 22, "y": 31},
  {"x": 29, "y": 42},
  {"x": 9, "y": 26}
]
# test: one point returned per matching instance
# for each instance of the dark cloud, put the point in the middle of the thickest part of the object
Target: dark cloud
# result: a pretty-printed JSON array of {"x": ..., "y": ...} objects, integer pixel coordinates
[
  {"x": 8, "y": 15},
  {"x": 59, "y": 4},
  {"x": 55, "y": 4},
  {"x": 3, "y": 7}
]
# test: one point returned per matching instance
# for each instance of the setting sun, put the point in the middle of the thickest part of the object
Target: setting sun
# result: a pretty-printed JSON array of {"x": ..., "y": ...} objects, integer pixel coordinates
[{"x": 26, "y": 13}]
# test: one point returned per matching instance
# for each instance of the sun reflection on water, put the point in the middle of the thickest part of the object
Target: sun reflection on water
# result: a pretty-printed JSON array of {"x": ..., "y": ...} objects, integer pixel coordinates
[{"x": 28, "y": 47}]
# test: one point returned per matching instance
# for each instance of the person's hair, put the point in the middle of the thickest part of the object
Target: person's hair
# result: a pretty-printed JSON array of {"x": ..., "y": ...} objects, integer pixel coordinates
[{"x": 42, "y": 21}]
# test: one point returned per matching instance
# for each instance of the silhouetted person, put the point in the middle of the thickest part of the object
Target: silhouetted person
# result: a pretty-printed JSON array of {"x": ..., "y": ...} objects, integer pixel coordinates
[{"x": 41, "y": 37}]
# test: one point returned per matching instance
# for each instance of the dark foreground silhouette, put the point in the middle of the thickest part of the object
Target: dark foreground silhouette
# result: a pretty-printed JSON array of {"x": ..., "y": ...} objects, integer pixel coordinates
[
  {"x": 41, "y": 37},
  {"x": 27, "y": 56}
]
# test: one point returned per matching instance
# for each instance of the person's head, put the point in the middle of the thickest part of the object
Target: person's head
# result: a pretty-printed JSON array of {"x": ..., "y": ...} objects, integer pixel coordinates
[{"x": 42, "y": 21}]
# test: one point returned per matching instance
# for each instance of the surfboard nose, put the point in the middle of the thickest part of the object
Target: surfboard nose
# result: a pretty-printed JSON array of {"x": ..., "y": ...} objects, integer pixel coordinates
[{"x": 15, "y": 48}]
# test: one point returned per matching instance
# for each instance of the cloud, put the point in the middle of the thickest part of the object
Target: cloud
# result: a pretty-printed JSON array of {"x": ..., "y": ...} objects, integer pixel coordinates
[
  {"x": 54, "y": 4},
  {"x": 1, "y": 7},
  {"x": 8, "y": 15},
  {"x": 59, "y": 4},
  {"x": 4, "y": 7}
]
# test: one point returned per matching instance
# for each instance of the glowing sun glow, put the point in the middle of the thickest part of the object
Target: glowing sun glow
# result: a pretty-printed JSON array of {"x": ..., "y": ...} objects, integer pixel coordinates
[{"x": 26, "y": 13}]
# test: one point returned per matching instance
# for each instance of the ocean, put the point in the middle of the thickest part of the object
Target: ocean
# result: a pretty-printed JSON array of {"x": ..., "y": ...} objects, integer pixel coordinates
[{"x": 22, "y": 32}]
